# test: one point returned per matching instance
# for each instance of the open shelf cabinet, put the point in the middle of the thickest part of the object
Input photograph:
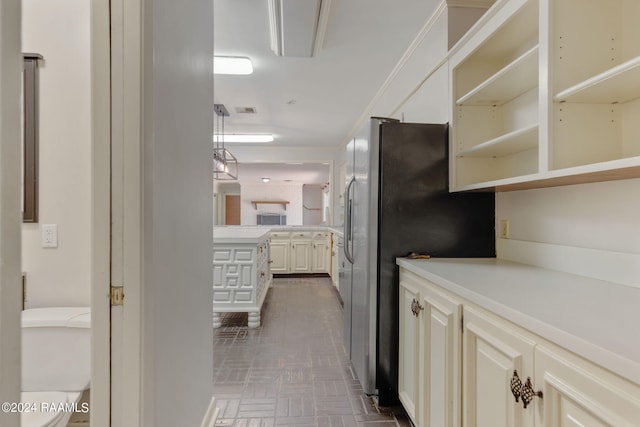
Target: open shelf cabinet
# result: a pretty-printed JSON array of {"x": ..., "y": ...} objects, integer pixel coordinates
[{"x": 542, "y": 95}]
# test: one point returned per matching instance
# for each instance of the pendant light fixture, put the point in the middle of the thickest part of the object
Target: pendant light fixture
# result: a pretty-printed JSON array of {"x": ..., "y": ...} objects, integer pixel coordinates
[{"x": 225, "y": 164}]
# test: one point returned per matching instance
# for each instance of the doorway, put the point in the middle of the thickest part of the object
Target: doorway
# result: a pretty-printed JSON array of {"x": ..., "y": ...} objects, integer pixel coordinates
[{"x": 232, "y": 209}]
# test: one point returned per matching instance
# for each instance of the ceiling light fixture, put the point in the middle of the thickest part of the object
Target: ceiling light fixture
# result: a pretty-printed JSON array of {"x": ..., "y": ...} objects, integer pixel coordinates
[
  {"x": 225, "y": 164},
  {"x": 239, "y": 65},
  {"x": 249, "y": 138},
  {"x": 265, "y": 179},
  {"x": 297, "y": 27}
]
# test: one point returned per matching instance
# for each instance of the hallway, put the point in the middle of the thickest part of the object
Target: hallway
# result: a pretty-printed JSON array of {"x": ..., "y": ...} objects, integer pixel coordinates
[{"x": 293, "y": 369}]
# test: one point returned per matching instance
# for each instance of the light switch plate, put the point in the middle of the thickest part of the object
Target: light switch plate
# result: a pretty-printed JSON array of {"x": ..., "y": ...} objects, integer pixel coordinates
[{"x": 49, "y": 235}]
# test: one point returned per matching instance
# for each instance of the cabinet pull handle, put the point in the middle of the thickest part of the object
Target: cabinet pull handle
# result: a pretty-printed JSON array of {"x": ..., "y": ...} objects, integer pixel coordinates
[
  {"x": 416, "y": 308},
  {"x": 528, "y": 393},
  {"x": 524, "y": 391},
  {"x": 516, "y": 385}
]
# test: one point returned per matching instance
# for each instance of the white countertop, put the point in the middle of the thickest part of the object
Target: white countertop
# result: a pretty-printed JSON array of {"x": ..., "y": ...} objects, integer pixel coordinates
[
  {"x": 239, "y": 234},
  {"x": 332, "y": 229},
  {"x": 596, "y": 319}
]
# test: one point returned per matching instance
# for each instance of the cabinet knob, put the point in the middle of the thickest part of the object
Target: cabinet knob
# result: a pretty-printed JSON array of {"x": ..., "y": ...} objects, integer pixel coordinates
[{"x": 416, "y": 308}]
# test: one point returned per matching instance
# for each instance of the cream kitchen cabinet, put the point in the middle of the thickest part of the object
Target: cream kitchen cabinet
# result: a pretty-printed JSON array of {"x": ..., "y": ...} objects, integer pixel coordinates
[
  {"x": 577, "y": 393},
  {"x": 409, "y": 371},
  {"x": 300, "y": 252},
  {"x": 241, "y": 277},
  {"x": 320, "y": 245},
  {"x": 429, "y": 359},
  {"x": 545, "y": 93},
  {"x": 280, "y": 252},
  {"x": 335, "y": 260},
  {"x": 466, "y": 347},
  {"x": 492, "y": 351}
]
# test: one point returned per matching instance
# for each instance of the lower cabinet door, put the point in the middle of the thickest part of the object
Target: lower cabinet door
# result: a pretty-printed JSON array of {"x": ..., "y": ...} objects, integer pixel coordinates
[
  {"x": 409, "y": 346},
  {"x": 577, "y": 393},
  {"x": 492, "y": 350},
  {"x": 300, "y": 256},
  {"x": 279, "y": 253},
  {"x": 440, "y": 359}
]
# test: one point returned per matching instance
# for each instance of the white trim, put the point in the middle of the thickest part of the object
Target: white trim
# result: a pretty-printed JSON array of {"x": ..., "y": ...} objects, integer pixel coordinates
[
  {"x": 10, "y": 218},
  {"x": 100, "y": 214}
]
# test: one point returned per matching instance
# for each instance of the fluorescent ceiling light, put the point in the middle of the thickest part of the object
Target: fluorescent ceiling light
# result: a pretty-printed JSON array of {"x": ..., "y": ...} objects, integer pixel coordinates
[
  {"x": 297, "y": 27},
  {"x": 245, "y": 138},
  {"x": 232, "y": 65}
]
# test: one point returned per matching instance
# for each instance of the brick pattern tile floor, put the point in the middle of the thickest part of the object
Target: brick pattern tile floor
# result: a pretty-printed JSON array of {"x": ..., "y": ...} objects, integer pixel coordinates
[{"x": 292, "y": 370}]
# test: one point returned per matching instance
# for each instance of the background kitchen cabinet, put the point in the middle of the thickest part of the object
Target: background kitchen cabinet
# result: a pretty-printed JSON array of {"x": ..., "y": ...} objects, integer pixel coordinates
[
  {"x": 320, "y": 252},
  {"x": 336, "y": 259},
  {"x": 301, "y": 253},
  {"x": 280, "y": 255}
]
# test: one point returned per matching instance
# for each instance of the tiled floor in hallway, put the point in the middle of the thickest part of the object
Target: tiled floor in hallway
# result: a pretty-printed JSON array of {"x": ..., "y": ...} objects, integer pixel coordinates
[{"x": 292, "y": 370}]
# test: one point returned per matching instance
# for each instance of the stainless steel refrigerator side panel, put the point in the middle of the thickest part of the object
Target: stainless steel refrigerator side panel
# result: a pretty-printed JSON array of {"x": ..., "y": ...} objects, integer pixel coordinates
[
  {"x": 346, "y": 285},
  {"x": 360, "y": 310},
  {"x": 374, "y": 180}
]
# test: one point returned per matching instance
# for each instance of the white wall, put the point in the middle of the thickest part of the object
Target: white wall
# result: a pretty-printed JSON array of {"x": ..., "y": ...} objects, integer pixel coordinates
[
  {"x": 60, "y": 31},
  {"x": 266, "y": 154},
  {"x": 587, "y": 229},
  {"x": 291, "y": 192}
]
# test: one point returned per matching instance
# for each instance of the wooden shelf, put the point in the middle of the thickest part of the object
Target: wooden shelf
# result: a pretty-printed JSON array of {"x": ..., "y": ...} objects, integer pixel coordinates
[
  {"x": 284, "y": 203},
  {"x": 516, "y": 78},
  {"x": 616, "y": 85},
  {"x": 504, "y": 145}
]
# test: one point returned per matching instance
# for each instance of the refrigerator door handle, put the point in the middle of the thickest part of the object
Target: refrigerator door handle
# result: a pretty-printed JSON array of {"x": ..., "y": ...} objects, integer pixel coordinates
[{"x": 348, "y": 224}]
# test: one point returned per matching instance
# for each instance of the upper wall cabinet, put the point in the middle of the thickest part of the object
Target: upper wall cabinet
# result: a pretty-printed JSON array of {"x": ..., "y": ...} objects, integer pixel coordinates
[{"x": 546, "y": 93}]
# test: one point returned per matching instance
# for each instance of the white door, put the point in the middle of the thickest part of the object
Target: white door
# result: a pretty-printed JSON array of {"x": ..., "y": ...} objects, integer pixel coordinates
[
  {"x": 300, "y": 256},
  {"x": 492, "y": 351},
  {"x": 577, "y": 393},
  {"x": 440, "y": 359},
  {"x": 409, "y": 347},
  {"x": 320, "y": 255},
  {"x": 280, "y": 256}
]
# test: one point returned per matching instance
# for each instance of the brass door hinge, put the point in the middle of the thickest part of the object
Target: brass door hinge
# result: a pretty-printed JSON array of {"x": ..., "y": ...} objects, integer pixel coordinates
[{"x": 117, "y": 295}]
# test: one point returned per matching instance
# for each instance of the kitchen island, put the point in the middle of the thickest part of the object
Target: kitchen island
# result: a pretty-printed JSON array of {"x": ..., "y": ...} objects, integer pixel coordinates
[{"x": 241, "y": 276}]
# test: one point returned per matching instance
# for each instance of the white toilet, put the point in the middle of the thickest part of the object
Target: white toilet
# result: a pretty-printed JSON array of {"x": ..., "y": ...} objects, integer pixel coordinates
[{"x": 56, "y": 363}]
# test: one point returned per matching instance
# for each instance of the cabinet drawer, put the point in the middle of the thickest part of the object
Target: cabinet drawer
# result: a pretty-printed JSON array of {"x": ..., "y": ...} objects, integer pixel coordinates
[
  {"x": 301, "y": 234},
  {"x": 280, "y": 234},
  {"x": 320, "y": 235}
]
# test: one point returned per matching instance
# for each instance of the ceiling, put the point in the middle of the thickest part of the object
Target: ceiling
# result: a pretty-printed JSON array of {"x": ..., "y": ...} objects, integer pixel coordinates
[{"x": 317, "y": 101}]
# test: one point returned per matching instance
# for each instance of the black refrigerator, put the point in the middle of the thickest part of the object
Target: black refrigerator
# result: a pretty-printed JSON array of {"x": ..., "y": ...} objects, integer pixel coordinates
[{"x": 397, "y": 201}]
